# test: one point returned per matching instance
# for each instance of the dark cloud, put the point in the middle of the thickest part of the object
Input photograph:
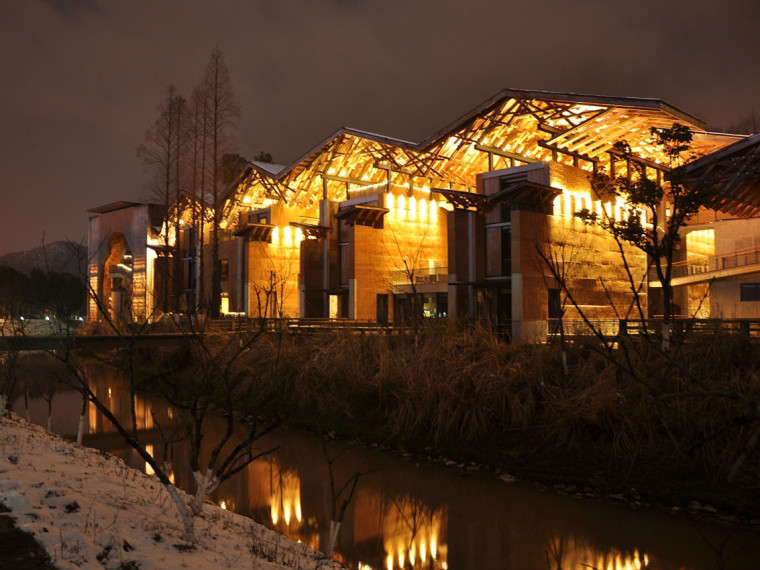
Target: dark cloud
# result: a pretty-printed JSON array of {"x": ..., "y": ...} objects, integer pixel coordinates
[{"x": 79, "y": 91}]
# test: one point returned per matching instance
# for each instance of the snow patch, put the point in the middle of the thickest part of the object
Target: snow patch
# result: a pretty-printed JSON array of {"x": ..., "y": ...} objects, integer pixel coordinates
[{"x": 89, "y": 510}]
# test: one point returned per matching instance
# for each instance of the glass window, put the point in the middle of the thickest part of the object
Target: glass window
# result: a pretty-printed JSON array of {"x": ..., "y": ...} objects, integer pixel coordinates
[{"x": 749, "y": 291}]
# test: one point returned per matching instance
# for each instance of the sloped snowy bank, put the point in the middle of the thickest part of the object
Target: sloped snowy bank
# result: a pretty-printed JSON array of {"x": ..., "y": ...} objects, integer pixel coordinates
[{"x": 89, "y": 510}]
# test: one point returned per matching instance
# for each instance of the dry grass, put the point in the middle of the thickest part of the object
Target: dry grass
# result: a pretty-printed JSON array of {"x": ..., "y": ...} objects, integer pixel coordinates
[{"x": 474, "y": 393}]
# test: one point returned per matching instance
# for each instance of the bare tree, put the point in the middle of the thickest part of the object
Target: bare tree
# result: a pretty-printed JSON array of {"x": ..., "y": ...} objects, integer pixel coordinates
[
  {"x": 201, "y": 380},
  {"x": 163, "y": 153},
  {"x": 8, "y": 362},
  {"x": 408, "y": 260},
  {"x": 221, "y": 114},
  {"x": 340, "y": 498}
]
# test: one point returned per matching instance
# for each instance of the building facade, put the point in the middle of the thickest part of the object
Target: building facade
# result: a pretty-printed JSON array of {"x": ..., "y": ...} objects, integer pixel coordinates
[{"x": 464, "y": 225}]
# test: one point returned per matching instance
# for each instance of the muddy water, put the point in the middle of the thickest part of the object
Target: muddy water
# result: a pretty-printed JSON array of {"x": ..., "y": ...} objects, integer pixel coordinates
[{"x": 409, "y": 515}]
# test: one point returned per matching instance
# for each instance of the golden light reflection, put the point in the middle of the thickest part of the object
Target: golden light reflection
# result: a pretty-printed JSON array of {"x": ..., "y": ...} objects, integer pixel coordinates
[
  {"x": 148, "y": 469},
  {"x": 227, "y": 504},
  {"x": 565, "y": 552},
  {"x": 400, "y": 206},
  {"x": 276, "y": 494},
  {"x": 433, "y": 211},
  {"x": 570, "y": 202},
  {"x": 423, "y": 209},
  {"x": 92, "y": 418},
  {"x": 416, "y": 547},
  {"x": 285, "y": 498},
  {"x": 287, "y": 236}
]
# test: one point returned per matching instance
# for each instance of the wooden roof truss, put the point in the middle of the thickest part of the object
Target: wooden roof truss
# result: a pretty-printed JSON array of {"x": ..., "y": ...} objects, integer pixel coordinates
[
  {"x": 511, "y": 129},
  {"x": 734, "y": 175}
]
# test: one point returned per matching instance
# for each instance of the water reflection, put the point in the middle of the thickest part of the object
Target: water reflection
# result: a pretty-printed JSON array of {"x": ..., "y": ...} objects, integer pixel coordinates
[
  {"x": 408, "y": 516},
  {"x": 564, "y": 552},
  {"x": 412, "y": 534}
]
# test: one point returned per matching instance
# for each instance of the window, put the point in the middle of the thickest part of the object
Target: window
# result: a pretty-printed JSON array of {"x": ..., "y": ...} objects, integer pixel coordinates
[
  {"x": 749, "y": 291},
  {"x": 224, "y": 269},
  {"x": 506, "y": 251},
  {"x": 505, "y": 212},
  {"x": 555, "y": 304}
]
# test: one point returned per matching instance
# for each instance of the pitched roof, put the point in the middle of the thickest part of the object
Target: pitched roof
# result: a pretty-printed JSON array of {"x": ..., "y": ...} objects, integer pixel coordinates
[{"x": 513, "y": 125}]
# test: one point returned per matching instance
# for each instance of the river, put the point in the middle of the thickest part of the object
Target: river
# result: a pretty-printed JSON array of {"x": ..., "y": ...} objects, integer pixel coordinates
[{"x": 410, "y": 514}]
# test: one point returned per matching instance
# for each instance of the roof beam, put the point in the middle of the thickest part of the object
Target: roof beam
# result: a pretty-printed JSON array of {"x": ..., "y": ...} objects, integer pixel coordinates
[{"x": 504, "y": 153}]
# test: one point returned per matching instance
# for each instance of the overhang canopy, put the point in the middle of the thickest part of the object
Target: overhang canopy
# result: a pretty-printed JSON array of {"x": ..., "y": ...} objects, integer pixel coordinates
[
  {"x": 461, "y": 200},
  {"x": 362, "y": 215},
  {"x": 525, "y": 195},
  {"x": 733, "y": 174},
  {"x": 311, "y": 230},
  {"x": 255, "y": 232}
]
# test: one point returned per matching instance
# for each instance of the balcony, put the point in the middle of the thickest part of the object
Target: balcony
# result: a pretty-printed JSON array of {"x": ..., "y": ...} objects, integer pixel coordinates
[
  {"x": 426, "y": 276},
  {"x": 737, "y": 262}
]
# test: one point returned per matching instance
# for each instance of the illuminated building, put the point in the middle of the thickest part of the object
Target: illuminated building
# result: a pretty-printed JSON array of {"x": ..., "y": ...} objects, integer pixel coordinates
[{"x": 371, "y": 228}]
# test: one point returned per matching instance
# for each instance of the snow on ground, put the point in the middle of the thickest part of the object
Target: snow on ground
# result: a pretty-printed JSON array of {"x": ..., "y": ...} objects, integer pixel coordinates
[{"x": 90, "y": 510}]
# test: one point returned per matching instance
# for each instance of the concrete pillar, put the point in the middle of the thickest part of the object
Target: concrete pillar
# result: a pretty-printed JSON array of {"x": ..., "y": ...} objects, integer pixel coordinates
[
  {"x": 471, "y": 259},
  {"x": 352, "y": 298},
  {"x": 325, "y": 214}
]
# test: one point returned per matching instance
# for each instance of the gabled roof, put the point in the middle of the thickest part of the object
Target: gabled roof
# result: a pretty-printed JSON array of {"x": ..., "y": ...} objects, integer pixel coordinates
[
  {"x": 513, "y": 127},
  {"x": 568, "y": 100}
]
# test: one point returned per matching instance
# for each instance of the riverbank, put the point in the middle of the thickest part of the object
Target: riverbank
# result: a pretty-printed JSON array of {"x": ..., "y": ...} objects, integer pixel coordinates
[
  {"x": 680, "y": 434},
  {"x": 88, "y": 509}
]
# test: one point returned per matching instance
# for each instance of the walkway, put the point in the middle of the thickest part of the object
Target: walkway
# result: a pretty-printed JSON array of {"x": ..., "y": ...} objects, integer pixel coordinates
[{"x": 739, "y": 262}]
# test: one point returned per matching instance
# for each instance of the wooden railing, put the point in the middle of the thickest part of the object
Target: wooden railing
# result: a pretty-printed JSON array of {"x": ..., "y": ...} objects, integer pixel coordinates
[
  {"x": 611, "y": 328},
  {"x": 245, "y": 324}
]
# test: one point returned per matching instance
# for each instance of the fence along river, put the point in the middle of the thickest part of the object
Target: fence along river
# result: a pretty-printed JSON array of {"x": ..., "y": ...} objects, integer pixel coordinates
[{"x": 419, "y": 515}]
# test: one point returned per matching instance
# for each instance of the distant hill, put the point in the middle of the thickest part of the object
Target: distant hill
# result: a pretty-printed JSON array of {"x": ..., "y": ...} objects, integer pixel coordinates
[{"x": 57, "y": 256}]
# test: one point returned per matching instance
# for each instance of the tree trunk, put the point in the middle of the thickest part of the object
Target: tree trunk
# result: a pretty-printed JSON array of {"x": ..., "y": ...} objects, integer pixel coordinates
[
  {"x": 333, "y": 538},
  {"x": 50, "y": 413},
  {"x": 82, "y": 416},
  {"x": 204, "y": 484},
  {"x": 26, "y": 405},
  {"x": 188, "y": 518}
]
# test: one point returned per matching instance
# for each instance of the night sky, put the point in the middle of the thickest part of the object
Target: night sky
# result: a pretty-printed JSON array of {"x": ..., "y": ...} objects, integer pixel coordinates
[{"x": 81, "y": 79}]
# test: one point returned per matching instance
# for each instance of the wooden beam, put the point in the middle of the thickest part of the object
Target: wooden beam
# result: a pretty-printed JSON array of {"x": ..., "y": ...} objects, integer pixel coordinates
[
  {"x": 504, "y": 153},
  {"x": 344, "y": 179}
]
